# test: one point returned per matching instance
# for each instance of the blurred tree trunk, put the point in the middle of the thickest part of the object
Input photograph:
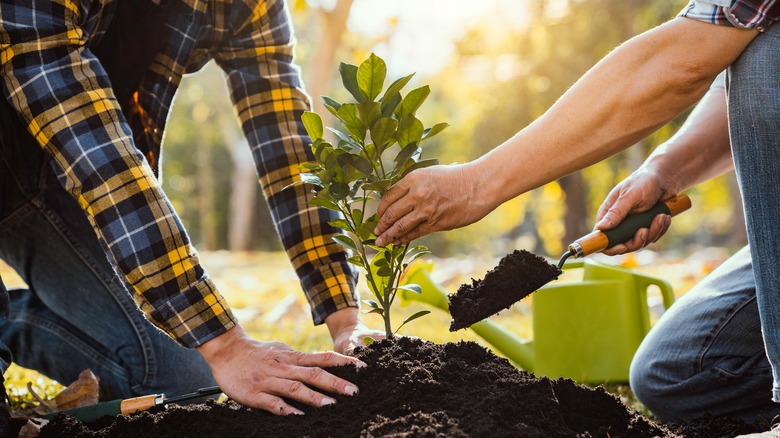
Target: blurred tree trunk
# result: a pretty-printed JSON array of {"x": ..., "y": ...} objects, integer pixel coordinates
[
  {"x": 321, "y": 68},
  {"x": 576, "y": 217},
  {"x": 207, "y": 184},
  {"x": 243, "y": 193}
]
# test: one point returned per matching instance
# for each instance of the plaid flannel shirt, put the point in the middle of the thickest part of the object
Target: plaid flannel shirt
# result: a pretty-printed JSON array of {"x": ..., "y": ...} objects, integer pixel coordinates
[
  {"x": 745, "y": 14},
  {"x": 106, "y": 157}
]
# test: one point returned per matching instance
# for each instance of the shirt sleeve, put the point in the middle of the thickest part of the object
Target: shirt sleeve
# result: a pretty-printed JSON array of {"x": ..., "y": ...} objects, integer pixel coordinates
[
  {"x": 265, "y": 86},
  {"x": 744, "y": 14},
  {"x": 63, "y": 95}
]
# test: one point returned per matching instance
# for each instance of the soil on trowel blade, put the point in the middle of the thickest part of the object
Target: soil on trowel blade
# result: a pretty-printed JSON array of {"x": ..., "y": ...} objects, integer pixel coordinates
[
  {"x": 409, "y": 388},
  {"x": 516, "y": 276}
]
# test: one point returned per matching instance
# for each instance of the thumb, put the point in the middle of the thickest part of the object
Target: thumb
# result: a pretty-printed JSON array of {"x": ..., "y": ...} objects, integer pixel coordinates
[{"x": 611, "y": 219}]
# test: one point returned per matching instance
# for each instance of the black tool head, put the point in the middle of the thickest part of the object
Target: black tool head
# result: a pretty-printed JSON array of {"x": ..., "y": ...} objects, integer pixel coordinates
[{"x": 516, "y": 276}]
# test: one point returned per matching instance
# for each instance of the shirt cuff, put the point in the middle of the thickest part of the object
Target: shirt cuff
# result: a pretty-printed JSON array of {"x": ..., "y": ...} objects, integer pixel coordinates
[
  {"x": 194, "y": 316},
  {"x": 329, "y": 288}
]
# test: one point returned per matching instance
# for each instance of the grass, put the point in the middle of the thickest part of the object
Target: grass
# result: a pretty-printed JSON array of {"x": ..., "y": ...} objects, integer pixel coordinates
[{"x": 265, "y": 294}]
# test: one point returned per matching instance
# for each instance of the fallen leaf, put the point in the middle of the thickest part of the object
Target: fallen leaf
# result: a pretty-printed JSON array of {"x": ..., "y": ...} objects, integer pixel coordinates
[{"x": 82, "y": 392}]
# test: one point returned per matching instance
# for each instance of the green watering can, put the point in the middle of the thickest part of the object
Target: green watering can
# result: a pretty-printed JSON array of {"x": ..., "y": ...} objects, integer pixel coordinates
[{"x": 587, "y": 331}]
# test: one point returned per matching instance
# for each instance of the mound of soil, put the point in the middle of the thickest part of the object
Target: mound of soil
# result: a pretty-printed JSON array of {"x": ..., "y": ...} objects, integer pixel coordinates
[
  {"x": 409, "y": 388},
  {"x": 517, "y": 275}
]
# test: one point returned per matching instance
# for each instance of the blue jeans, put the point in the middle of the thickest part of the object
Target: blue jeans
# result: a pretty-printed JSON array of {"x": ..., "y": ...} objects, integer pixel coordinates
[
  {"x": 711, "y": 352},
  {"x": 77, "y": 312}
]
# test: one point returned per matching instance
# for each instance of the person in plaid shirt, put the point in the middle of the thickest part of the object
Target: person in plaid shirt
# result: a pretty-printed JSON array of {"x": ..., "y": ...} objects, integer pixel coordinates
[
  {"x": 707, "y": 353},
  {"x": 87, "y": 87}
]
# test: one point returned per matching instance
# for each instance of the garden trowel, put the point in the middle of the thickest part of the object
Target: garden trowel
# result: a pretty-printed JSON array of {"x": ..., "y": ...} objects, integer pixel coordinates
[
  {"x": 520, "y": 273},
  {"x": 131, "y": 405}
]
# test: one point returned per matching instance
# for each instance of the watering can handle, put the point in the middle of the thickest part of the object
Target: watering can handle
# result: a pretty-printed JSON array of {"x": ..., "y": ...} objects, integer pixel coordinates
[{"x": 643, "y": 282}]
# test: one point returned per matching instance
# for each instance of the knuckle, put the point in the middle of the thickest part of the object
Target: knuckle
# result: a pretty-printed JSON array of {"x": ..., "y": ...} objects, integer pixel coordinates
[
  {"x": 314, "y": 373},
  {"x": 295, "y": 387}
]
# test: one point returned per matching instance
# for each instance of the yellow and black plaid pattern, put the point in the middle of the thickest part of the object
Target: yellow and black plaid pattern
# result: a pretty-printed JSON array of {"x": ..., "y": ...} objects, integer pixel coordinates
[{"x": 63, "y": 94}]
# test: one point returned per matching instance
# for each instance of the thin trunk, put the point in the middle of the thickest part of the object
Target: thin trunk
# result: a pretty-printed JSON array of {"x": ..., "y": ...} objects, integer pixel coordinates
[
  {"x": 576, "y": 217},
  {"x": 334, "y": 23}
]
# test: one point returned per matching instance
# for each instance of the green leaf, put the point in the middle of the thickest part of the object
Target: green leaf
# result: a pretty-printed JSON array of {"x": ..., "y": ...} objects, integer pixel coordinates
[
  {"x": 379, "y": 311},
  {"x": 380, "y": 186},
  {"x": 410, "y": 130},
  {"x": 412, "y": 101},
  {"x": 384, "y": 271},
  {"x": 415, "y": 288},
  {"x": 340, "y": 223},
  {"x": 371, "y": 303},
  {"x": 435, "y": 129},
  {"x": 420, "y": 164},
  {"x": 309, "y": 166},
  {"x": 382, "y": 131},
  {"x": 310, "y": 178},
  {"x": 412, "y": 318},
  {"x": 369, "y": 112},
  {"x": 345, "y": 241},
  {"x": 349, "y": 79},
  {"x": 407, "y": 152},
  {"x": 313, "y": 124},
  {"x": 346, "y": 138},
  {"x": 357, "y": 260},
  {"x": 348, "y": 114},
  {"x": 319, "y": 202},
  {"x": 330, "y": 102},
  {"x": 368, "y": 340},
  {"x": 365, "y": 232},
  {"x": 339, "y": 190},
  {"x": 396, "y": 86},
  {"x": 361, "y": 164},
  {"x": 357, "y": 216},
  {"x": 371, "y": 76},
  {"x": 389, "y": 105}
]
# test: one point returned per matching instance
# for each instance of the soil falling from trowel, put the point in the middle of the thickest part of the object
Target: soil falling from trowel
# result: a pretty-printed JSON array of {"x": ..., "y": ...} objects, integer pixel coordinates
[{"x": 516, "y": 276}]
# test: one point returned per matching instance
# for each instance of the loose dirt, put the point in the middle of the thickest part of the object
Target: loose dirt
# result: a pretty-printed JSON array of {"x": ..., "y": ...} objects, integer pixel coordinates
[
  {"x": 517, "y": 275},
  {"x": 413, "y": 388}
]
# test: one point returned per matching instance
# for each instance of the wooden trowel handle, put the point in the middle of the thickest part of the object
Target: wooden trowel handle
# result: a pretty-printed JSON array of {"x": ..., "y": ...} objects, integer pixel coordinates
[{"x": 600, "y": 240}]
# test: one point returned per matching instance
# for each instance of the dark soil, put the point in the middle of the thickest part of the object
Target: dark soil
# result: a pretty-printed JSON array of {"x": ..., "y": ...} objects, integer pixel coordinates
[
  {"x": 411, "y": 388},
  {"x": 516, "y": 276}
]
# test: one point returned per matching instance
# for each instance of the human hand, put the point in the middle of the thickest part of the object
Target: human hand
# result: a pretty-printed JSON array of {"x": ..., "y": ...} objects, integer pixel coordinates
[
  {"x": 635, "y": 194},
  {"x": 263, "y": 374},
  {"x": 348, "y": 332},
  {"x": 435, "y": 198}
]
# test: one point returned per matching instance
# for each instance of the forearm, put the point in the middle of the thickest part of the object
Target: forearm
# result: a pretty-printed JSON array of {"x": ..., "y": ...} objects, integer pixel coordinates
[
  {"x": 266, "y": 89},
  {"x": 633, "y": 91},
  {"x": 700, "y": 150}
]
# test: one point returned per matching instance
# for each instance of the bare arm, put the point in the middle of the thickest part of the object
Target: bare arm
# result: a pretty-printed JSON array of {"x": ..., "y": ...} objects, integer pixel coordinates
[
  {"x": 633, "y": 91},
  {"x": 700, "y": 150}
]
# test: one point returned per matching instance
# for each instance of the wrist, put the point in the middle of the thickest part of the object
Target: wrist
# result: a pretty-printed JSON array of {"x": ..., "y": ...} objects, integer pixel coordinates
[
  {"x": 342, "y": 320},
  {"x": 665, "y": 171},
  {"x": 218, "y": 347}
]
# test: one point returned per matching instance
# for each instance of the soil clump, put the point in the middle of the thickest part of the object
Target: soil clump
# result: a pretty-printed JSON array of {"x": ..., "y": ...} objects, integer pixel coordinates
[{"x": 517, "y": 275}]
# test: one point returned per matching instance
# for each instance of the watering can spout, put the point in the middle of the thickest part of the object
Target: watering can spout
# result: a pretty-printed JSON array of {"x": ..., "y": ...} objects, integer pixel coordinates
[{"x": 518, "y": 350}]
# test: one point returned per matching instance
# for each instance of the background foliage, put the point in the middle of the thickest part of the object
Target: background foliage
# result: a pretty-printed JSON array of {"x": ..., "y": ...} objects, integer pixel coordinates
[{"x": 500, "y": 75}]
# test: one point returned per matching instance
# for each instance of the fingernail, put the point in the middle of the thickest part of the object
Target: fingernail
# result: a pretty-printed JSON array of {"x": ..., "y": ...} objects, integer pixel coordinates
[
  {"x": 350, "y": 390},
  {"x": 297, "y": 413},
  {"x": 328, "y": 401},
  {"x": 361, "y": 364}
]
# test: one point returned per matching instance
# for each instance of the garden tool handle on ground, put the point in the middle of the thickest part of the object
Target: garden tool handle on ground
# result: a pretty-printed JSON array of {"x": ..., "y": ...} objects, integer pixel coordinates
[
  {"x": 599, "y": 240},
  {"x": 113, "y": 408},
  {"x": 131, "y": 405}
]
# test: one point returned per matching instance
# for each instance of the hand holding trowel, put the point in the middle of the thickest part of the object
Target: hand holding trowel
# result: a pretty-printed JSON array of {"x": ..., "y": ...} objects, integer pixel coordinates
[{"x": 523, "y": 272}]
